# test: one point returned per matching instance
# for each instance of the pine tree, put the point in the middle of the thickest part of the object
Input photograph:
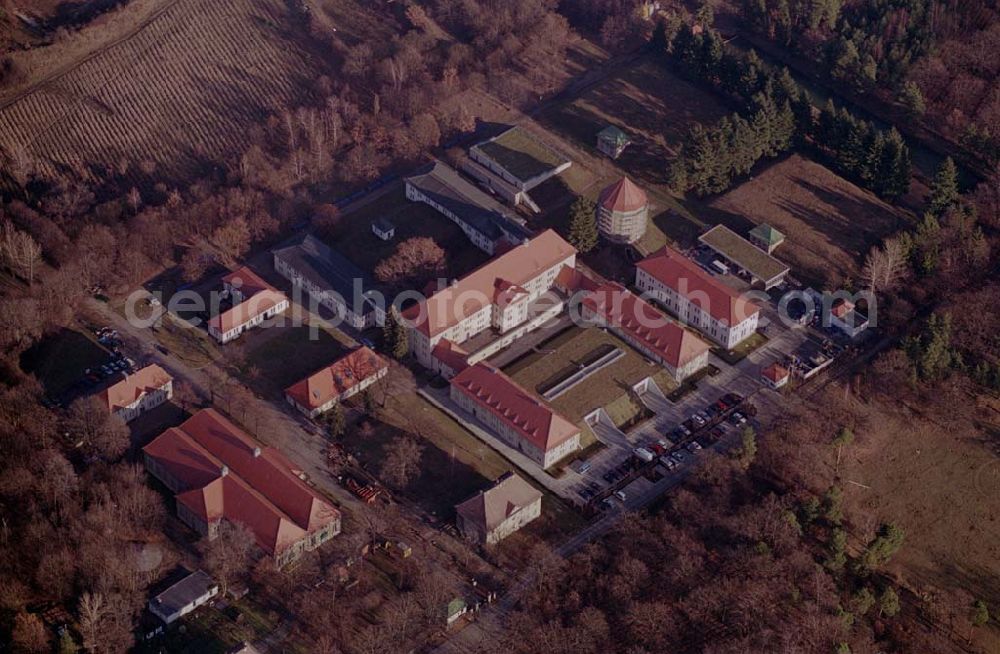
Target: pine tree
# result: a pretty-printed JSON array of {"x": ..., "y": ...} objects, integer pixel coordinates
[
  {"x": 888, "y": 603},
  {"x": 944, "y": 191},
  {"x": 583, "y": 225},
  {"x": 401, "y": 344},
  {"x": 336, "y": 421},
  {"x": 912, "y": 100}
]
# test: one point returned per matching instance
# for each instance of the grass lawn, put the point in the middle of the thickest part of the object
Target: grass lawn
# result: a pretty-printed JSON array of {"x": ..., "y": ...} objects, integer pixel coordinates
[
  {"x": 740, "y": 352},
  {"x": 828, "y": 222},
  {"x": 58, "y": 360},
  {"x": 646, "y": 101},
  {"x": 604, "y": 388},
  {"x": 214, "y": 631},
  {"x": 289, "y": 354},
  {"x": 357, "y": 242}
]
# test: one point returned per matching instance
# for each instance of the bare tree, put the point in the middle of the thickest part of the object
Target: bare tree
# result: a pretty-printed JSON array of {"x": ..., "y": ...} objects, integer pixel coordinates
[
  {"x": 885, "y": 265},
  {"x": 102, "y": 432},
  {"x": 29, "y": 633},
  {"x": 412, "y": 259},
  {"x": 402, "y": 463},
  {"x": 19, "y": 251},
  {"x": 91, "y": 613},
  {"x": 229, "y": 554}
]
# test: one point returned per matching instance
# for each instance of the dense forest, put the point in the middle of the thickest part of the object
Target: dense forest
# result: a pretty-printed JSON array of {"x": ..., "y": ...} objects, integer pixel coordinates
[{"x": 934, "y": 59}]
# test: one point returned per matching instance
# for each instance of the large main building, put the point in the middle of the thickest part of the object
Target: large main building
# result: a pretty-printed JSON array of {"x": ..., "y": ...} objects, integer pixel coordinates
[
  {"x": 696, "y": 298},
  {"x": 217, "y": 471},
  {"x": 488, "y": 309}
]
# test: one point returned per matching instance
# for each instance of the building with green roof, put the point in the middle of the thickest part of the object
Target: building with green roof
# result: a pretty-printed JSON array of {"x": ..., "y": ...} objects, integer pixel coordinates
[
  {"x": 612, "y": 141},
  {"x": 765, "y": 237}
]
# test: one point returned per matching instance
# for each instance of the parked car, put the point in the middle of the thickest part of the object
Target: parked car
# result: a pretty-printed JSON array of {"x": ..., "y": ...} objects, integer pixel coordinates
[
  {"x": 693, "y": 447},
  {"x": 657, "y": 448},
  {"x": 732, "y": 398},
  {"x": 698, "y": 421},
  {"x": 620, "y": 495},
  {"x": 737, "y": 418}
]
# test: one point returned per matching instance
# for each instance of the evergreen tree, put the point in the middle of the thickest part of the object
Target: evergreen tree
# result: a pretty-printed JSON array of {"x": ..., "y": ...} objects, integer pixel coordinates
[
  {"x": 837, "y": 554},
  {"x": 885, "y": 544},
  {"x": 912, "y": 100},
  {"x": 980, "y": 613},
  {"x": 395, "y": 337},
  {"x": 583, "y": 225},
  {"x": 944, "y": 190},
  {"x": 336, "y": 421},
  {"x": 888, "y": 603},
  {"x": 710, "y": 56}
]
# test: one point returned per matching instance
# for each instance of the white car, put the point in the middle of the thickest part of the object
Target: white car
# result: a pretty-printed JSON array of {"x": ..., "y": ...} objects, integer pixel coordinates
[
  {"x": 620, "y": 495},
  {"x": 693, "y": 447},
  {"x": 698, "y": 420}
]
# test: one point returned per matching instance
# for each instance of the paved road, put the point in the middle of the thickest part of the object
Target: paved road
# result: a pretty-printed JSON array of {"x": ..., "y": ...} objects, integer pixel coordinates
[{"x": 288, "y": 432}]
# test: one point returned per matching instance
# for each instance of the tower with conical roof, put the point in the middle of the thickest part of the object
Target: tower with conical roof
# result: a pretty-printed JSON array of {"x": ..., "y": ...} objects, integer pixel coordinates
[{"x": 622, "y": 212}]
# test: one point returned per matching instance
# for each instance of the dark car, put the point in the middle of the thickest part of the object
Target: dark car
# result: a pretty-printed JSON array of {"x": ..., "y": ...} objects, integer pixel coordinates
[{"x": 163, "y": 350}]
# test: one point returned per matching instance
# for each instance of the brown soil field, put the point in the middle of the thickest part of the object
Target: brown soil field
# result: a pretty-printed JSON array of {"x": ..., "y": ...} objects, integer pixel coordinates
[
  {"x": 829, "y": 223},
  {"x": 939, "y": 479},
  {"x": 176, "y": 83}
]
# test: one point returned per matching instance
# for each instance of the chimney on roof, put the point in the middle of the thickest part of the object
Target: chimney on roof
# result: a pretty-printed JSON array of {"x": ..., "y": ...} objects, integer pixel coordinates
[
  {"x": 256, "y": 452},
  {"x": 224, "y": 470}
]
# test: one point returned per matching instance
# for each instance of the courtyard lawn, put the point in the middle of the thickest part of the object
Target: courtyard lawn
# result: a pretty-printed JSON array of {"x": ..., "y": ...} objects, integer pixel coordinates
[
  {"x": 354, "y": 237},
  {"x": 601, "y": 389},
  {"x": 284, "y": 355},
  {"x": 740, "y": 352}
]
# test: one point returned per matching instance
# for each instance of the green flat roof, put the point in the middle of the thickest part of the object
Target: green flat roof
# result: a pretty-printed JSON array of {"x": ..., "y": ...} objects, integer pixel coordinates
[
  {"x": 521, "y": 153},
  {"x": 743, "y": 253},
  {"x": 767, "y": 234}
]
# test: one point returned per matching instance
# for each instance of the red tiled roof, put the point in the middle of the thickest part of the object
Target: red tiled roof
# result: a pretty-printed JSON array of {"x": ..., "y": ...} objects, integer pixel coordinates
[
  {"x": 842, "y": 307},
  {"x": 134, "y": 386},
  {"x": 537, "y": 423},
  {"x": 218, "y": 475},
  {"x": 683, "y": 275},
  {"x": 451, "y": 355},
  {"x": 332, "y": 381},
  {"x": 775, "y": 372},
  {"x": 618, "y": 306},
  {"x": 449, "y": 306},
  {"x": 259, "y": 296},
  {"x": 623, "y": 196},
  {"x": 571, "y": 279}
]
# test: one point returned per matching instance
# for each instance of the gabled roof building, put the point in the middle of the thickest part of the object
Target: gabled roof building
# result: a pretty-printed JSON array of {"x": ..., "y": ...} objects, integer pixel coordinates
[
  {"x": 139, "y": 392},
  {"x": 345, "y": 377},
  {"x": 331, "y": 280},
  {"x": 495, "y": 304},
  {"x": 254, "y": 300},
  {"x": 696, "y": 298},
  {"x": 639, "y": 324},
  {"x": 495, "y": 513},
  {"x": 486, "y": 222},
  {"x": 217, "y": 471},
  {"x": 519, "y": 418}
]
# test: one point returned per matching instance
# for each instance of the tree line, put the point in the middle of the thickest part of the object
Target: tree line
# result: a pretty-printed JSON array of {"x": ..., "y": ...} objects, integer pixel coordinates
[{"x": 775, "y": 116}]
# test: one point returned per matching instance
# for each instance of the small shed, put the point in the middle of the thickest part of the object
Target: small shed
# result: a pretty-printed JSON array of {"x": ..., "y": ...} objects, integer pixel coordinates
[
  {"x": 384, "y": 229},
  {"x": 612, "y": 141},
  {"x": 775, "y": 375},
  {"x": 765, "y": 237}
]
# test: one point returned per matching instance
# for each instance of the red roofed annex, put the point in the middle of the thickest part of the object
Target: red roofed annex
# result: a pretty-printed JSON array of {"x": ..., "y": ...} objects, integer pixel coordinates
[
  {"x": 642, "y": 326},
  {"x": 141, "y": 391},
  {"x": 217, "y": 471},
  {"x": 521, "y": 419},
  {"x": 347, "y": 376},
  {"x": 697, "y": 298}
]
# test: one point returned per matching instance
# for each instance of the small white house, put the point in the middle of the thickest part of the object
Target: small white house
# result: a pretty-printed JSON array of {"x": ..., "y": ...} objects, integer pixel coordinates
[
  {"x": 775, "y": 375},
  {"x": 183, "y": 597},
  {"x": 384, "y": 229}
]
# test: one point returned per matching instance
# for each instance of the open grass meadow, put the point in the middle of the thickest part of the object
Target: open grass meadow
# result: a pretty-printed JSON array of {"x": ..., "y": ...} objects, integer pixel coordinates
[
  {"x": 829, "y": 223},
  {"x": 356, "y": 241},
  {"x": 608, "y": 387}
]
